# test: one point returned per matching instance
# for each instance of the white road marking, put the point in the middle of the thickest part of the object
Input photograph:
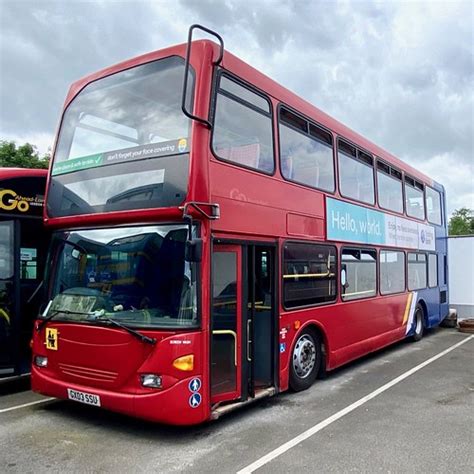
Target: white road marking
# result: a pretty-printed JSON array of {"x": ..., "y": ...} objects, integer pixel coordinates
[
  {"x": 320, "y": 426},
  {"x": 44, "y": 400}
]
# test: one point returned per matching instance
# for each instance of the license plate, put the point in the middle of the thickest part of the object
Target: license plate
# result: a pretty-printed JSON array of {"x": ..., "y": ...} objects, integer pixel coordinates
[{"x": 83, "y": 397}]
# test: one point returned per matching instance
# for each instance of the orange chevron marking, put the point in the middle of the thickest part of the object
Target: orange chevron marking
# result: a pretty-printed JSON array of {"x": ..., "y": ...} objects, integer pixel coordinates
[{"x": 407, "y": 308}]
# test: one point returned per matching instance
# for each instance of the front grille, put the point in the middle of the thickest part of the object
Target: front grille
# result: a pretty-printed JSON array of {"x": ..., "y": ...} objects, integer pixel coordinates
[{"x": 86, "y": 373}]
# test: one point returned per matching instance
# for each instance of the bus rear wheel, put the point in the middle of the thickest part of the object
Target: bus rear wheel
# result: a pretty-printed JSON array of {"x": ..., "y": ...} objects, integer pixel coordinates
[
  {"x": 305, "y": 360},
  {"x": 419, "y": 322}
]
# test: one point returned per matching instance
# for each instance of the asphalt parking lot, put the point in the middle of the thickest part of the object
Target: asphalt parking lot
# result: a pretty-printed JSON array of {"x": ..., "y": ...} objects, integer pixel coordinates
[{"x": 374, "y": 415}]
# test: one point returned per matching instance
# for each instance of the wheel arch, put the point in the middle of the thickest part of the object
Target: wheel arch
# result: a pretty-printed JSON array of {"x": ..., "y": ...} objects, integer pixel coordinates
[
  {"x": 421, "y": 302},
  {"x": 319, "y": 330}
]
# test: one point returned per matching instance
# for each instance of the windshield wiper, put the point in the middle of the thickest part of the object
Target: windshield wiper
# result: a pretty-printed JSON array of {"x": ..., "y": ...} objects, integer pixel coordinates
[
  {"x": 138, "y": 335},
  {"x": 98, "y": 317},
  {"x": 55, "y": 312}
]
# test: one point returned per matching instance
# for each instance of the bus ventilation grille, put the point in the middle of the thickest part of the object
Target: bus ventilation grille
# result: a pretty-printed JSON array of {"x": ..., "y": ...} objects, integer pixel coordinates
[
  {"x": 87, "y": 373},
  {"x": 442, "y": 297}
]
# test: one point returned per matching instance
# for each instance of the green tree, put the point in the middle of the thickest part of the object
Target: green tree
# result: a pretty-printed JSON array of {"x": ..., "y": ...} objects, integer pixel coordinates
[
  {"x": 462, "y": 222},
  {"x": 23, "y": 156}
]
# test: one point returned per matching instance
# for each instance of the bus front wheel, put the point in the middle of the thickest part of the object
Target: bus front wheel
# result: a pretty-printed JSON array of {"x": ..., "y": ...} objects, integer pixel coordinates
[
  {"x": 419, "y": 324},
  {"x": 305, "y": 360}
]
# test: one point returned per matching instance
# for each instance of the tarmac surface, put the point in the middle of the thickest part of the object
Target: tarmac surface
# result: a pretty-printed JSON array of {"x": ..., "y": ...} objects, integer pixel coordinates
[{"x": 420, "y": 422}]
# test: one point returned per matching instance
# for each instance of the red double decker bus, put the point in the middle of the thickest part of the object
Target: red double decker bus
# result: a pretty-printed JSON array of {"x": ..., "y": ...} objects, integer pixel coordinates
[{"x": 218, "y": 239}]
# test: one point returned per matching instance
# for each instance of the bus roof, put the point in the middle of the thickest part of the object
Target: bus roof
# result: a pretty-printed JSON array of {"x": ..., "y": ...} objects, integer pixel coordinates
[
  {"x": 6, "y": 173},
  {"x": 266, "y": 84}
]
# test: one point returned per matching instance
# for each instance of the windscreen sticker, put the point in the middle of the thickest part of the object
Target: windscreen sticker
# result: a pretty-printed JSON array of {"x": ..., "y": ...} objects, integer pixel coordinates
[
  {"x": 52, "y": 339},
  {"x": 141, "y": 152}
]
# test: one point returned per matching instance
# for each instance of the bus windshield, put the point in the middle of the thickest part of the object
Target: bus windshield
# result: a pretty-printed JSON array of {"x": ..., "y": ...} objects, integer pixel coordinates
[
  {"x": 135, "y": 275},
  {"x": 124, "y": 143}
]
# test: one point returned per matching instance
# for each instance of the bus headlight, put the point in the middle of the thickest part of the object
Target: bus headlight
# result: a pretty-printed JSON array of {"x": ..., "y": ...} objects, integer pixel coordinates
[
  {"x": 41, "y": 361},
  {"x": 151, "y": 380}
]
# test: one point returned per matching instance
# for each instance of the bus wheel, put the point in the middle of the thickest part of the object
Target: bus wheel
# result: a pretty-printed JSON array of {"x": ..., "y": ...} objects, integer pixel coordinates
[
  {"x": 419, "y": 324},
  {"x": 305, "y": 361}
]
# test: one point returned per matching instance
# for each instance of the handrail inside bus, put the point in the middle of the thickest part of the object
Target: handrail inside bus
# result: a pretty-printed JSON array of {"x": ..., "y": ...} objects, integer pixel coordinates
[{"x": 186, "y": 70}]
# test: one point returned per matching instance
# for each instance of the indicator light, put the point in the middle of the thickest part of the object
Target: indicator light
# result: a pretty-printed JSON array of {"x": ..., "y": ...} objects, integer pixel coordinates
[
  {"x": 185, "y": 363},
  {"x": 297, "y": 324}
]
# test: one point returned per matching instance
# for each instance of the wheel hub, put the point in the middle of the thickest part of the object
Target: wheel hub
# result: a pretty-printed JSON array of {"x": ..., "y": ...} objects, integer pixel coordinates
[{"x": 304, "y": 356}]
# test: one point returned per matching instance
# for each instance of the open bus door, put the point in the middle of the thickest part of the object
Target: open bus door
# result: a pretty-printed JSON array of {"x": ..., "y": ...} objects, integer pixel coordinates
[{"x": 243, "y": 323}]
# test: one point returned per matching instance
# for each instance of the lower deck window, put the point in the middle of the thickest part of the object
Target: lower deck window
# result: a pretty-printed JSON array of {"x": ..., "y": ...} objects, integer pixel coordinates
[
  {"x": 359, "y": 269},
  {"x": 309, "y": 274}
]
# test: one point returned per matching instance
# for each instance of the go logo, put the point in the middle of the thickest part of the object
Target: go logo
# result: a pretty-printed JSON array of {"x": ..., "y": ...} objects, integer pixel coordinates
[{"x": 10, "y": 200}]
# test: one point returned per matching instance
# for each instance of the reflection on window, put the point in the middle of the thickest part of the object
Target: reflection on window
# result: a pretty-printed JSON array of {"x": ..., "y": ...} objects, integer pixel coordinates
[
  {"x": 432, "y": 270},
  {"x": 415, "y": 203},
  {"x": 141, "y": 186},
  {"x": 416, "y": 271},
  {"x": 389, "y": 188},
  {"x": 356, "y": 174},
  {"x": 242, "y": 129},
  {"x": 309, "y": 274},
  {"x": 361, "y": 269},
  {"x": 96, "y": 133},
  {"x": 305, "y": 152},
  {"x": 138, "y": 106},
  {"x": 136, "y": 275},
  {"x": 6, "y": 250},
  {"x": 392, "y": 272},
  {"x": 433, "y": 205}
]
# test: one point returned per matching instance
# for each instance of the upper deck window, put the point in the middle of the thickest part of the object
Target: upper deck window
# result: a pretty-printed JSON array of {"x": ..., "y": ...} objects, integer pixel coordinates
[
  {"x": 243, "y": 127},
  {"x": 433, "y": 205},
  {"x": 305, "y": 152},
  {"x": 114, "y": 122},
  {"x": 356, "y": 173},
  {"x": 414, "y": 199},
  {"x": 389, "y": 187}
]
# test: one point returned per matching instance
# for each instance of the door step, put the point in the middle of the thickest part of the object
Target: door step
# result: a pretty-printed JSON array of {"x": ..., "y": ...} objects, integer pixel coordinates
[{"x": 224, "y": 409}]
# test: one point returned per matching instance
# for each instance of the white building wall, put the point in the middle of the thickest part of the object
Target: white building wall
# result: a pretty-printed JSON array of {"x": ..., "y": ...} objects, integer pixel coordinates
[{"x": 461, "y": 275}]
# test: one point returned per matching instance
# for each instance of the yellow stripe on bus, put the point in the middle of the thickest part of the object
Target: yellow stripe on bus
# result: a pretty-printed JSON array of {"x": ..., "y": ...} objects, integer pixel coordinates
[{"x": 407, "y": 308}]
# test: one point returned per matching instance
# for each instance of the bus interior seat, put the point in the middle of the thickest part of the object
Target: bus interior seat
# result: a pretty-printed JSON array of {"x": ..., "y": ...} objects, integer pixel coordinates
[{"x": 246, "y": 155}]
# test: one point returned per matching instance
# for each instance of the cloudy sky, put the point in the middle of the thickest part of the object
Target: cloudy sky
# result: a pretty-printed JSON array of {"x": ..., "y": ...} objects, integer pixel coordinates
[{"x": 399, "y": 73}]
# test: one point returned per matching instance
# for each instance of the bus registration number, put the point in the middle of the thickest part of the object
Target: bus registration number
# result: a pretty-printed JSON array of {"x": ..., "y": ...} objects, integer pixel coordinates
[{"x": 83, "y": 397}]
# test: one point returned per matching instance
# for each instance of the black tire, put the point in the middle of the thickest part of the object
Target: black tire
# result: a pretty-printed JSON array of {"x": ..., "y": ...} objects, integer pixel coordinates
[
  {"x": 419, "y": 322},
  {"x": 305, "y": 360}
]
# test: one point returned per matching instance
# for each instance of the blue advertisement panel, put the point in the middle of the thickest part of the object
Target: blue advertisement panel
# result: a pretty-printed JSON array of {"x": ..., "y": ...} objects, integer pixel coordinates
[{"x": 351, "y": 223}]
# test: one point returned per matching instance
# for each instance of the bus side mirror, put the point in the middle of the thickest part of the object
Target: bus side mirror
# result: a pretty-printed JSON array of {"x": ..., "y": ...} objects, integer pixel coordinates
[{"x": 193, "y": 250}]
